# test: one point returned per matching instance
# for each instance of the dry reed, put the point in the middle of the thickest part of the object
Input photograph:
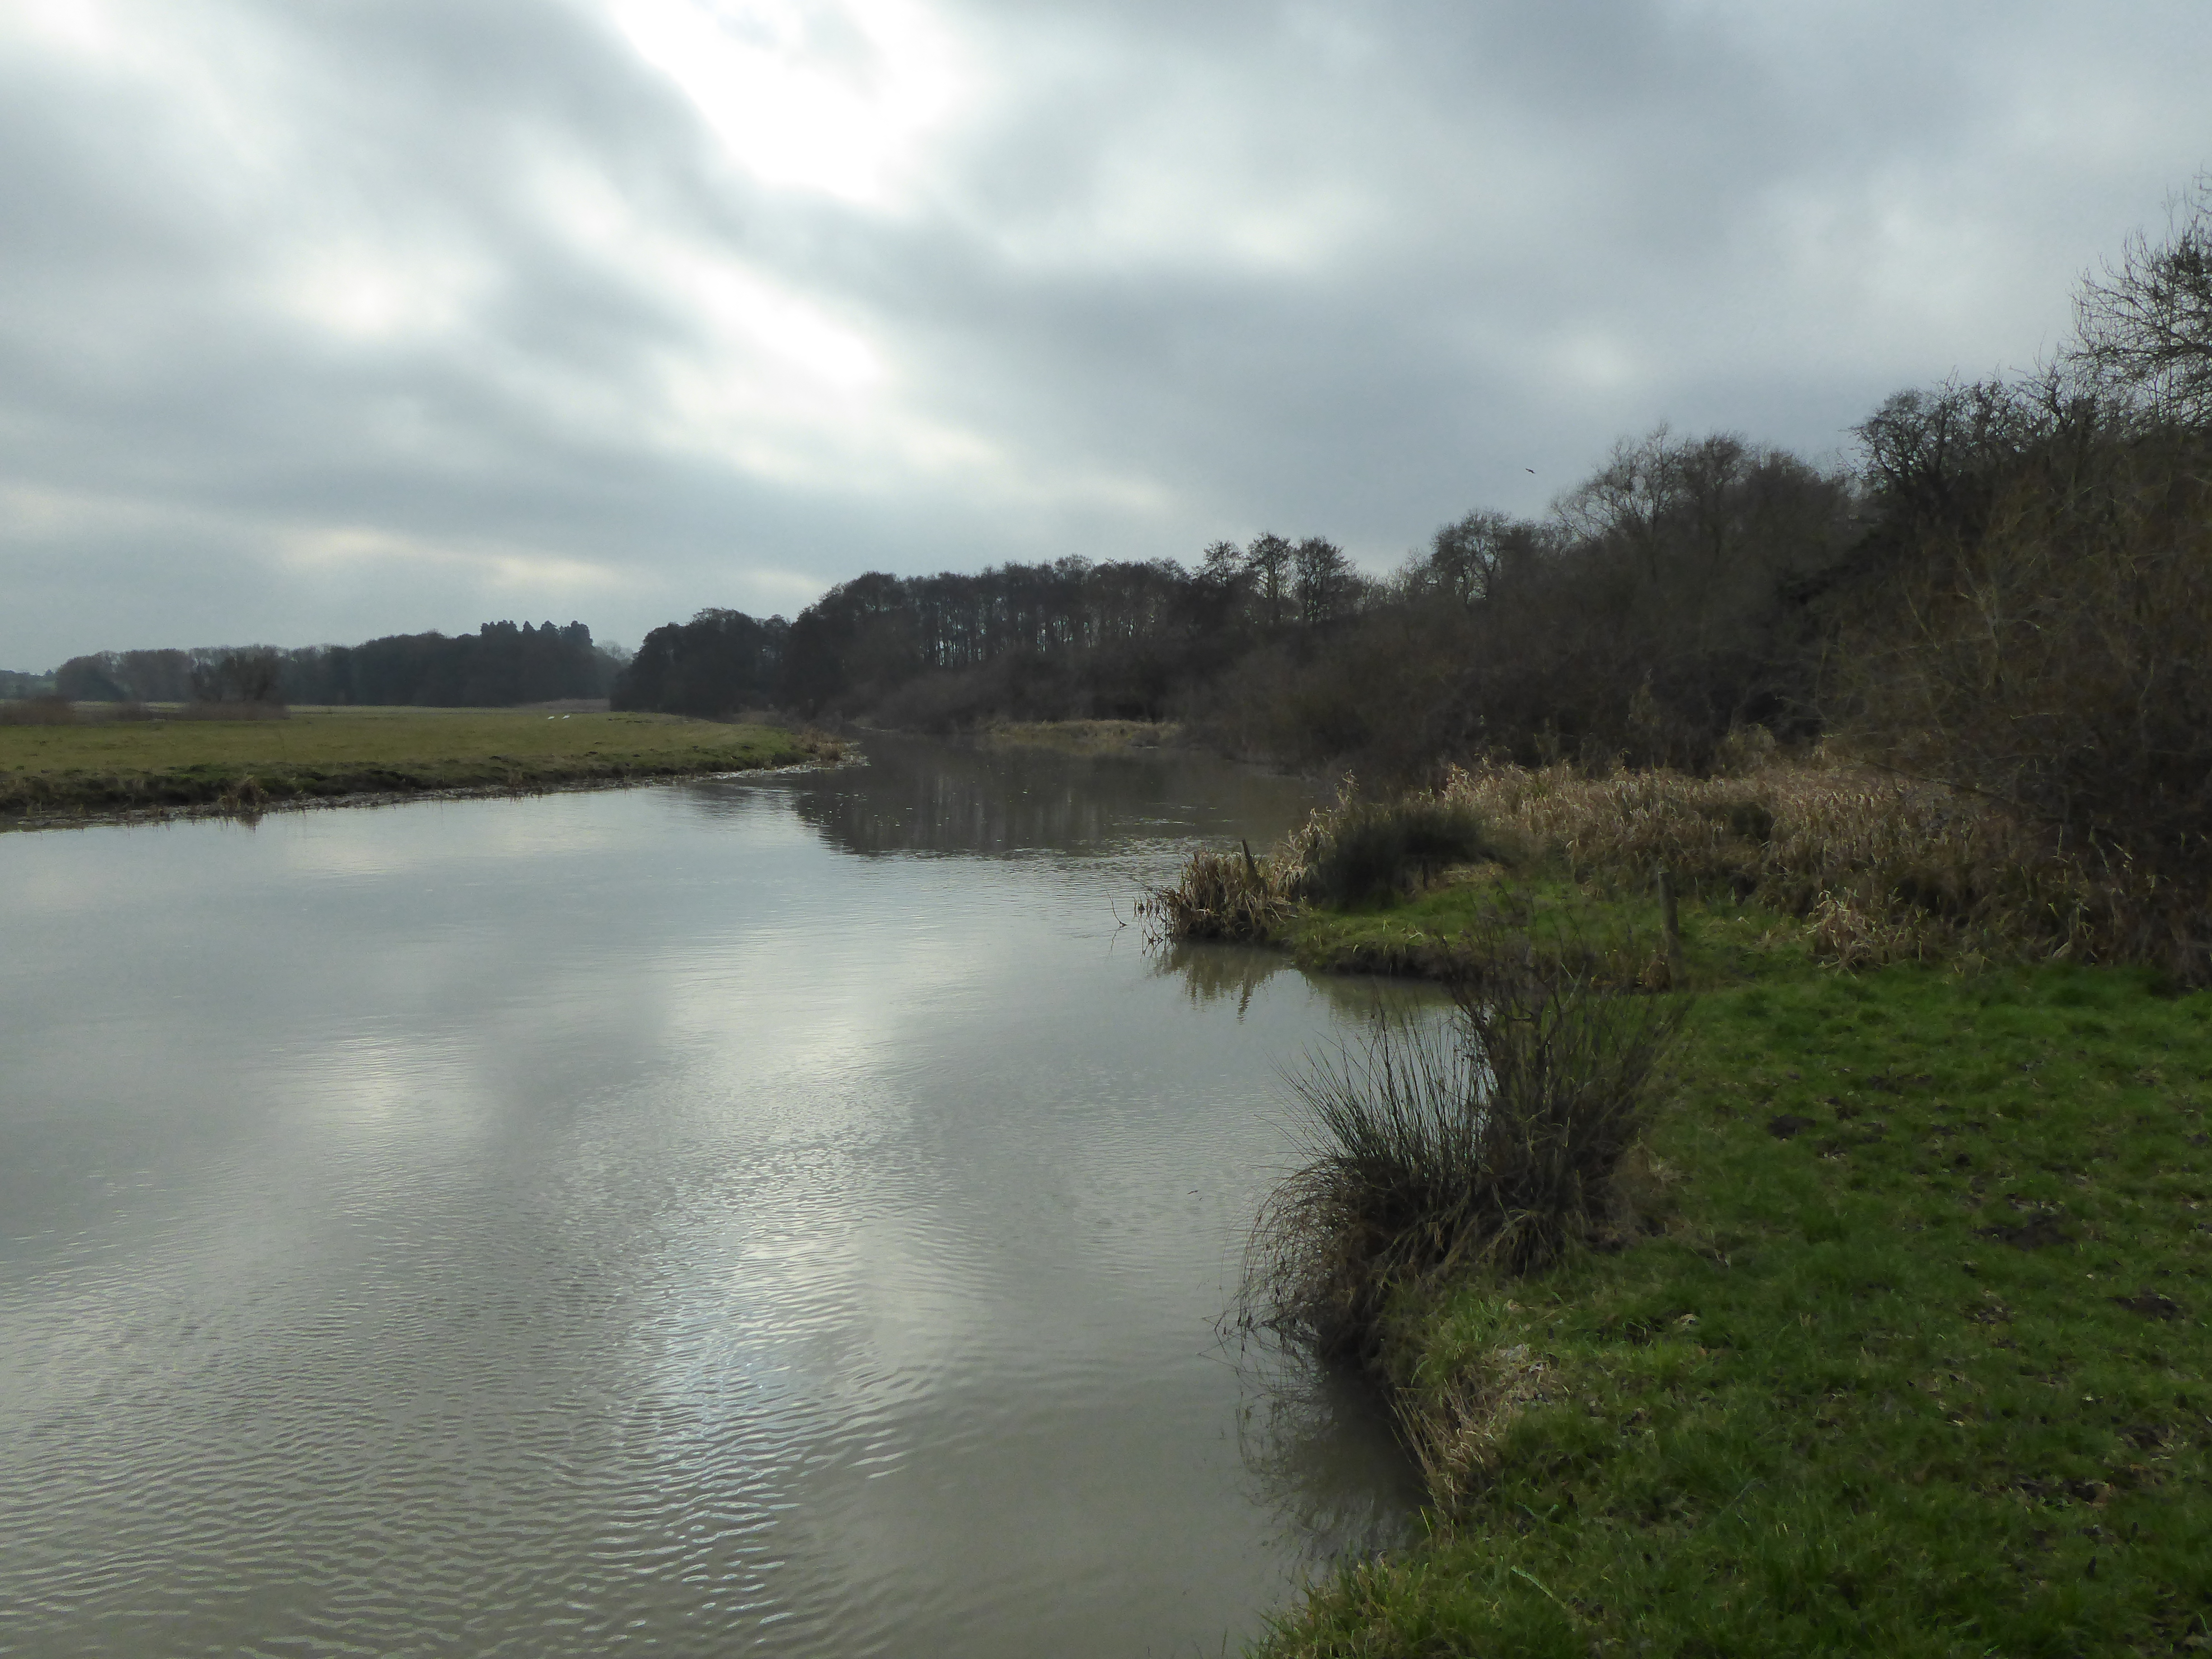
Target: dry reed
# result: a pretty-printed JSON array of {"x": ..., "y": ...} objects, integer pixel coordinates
[
  {"x": 1881, "y": 868},
  {"x": 1877, "y": 868},
  {"x": 1232, "y": 897}
]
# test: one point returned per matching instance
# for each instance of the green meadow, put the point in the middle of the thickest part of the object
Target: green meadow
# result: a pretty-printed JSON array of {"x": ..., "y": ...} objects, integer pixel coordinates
[
  {"x": 1908, "y": 1355},
  {"x": 95, "y": 767},
  {"x": 1888, "y": 1333}
]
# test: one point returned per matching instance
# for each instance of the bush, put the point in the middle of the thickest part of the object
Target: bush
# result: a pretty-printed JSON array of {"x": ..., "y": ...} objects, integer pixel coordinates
[{"x": 1494, "y": 1138}]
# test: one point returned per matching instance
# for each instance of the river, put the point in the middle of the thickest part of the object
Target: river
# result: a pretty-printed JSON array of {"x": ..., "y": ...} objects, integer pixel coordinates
[{"x": 784, "y": 1215}]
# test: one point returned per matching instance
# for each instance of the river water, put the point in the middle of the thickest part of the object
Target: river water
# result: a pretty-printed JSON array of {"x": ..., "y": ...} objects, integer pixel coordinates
[{"x": 783, "y": 1215}]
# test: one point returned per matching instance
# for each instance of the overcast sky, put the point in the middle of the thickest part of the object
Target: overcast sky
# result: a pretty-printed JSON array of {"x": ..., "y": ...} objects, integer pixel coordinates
[{"x": 327, "y": 319}]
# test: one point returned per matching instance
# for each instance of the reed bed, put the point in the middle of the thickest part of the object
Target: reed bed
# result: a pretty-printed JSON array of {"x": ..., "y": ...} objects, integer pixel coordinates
[
  {"x": 1352, "y": 853},
  {"x": 1876, "y": 867},
  {"x": 1880, "y": 868}
]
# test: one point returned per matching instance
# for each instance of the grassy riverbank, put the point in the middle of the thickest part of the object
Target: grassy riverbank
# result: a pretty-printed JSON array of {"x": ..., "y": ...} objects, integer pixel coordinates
[
  {"x": 1905, "y": 1350},
  {"x": 1084, "y": 737},
  {"x": 1914, "y": 1360},
  {"x": 95, "y": 767}
]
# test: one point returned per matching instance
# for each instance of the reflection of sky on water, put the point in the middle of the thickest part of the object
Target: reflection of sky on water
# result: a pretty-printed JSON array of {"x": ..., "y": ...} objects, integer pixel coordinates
[{"x": 535, "y": 1226}]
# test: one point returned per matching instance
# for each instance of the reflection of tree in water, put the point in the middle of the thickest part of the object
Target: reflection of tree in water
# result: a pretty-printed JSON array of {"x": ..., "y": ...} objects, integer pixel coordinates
[
  {"x": 1316, "y": 1446},
  {"x": 918, "y": 796},
  {"x": 1224, "y": 973},
  {"x": 1220, "y": 973}
]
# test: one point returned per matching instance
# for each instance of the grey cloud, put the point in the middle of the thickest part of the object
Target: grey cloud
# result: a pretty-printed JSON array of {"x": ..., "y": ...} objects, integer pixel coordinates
[{"x": 1174, "y": 272}]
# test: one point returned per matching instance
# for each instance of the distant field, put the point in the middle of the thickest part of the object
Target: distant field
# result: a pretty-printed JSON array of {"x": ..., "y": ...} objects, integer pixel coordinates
[{"x": 101, "y": 766}]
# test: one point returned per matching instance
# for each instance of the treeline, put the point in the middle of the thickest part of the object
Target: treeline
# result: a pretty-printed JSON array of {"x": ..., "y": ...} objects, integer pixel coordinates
[
  {"x": 2009, "y": 567},
  {"x": 14, "y": 683},
  {"x": 1663, "y": 603},
  {"x": 502, "y": 664},
  {"x": 1066, "y": 640}
]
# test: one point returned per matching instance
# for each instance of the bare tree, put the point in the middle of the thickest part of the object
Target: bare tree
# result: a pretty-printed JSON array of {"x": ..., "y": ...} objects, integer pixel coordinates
[
  {"x": 2143, "y": 326},
  {"x": 1269, "y": 559},
  {"x": 252, "y": 674},
  {"x": 1466, "y": 557},
  {"x": 1326, "y": 583}
]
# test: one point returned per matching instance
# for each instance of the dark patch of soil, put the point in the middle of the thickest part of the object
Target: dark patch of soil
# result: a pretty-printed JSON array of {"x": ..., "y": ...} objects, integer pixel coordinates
[
  {"x": 2032, "y": 1234},
  {"x": 2150, "y": 1304}
]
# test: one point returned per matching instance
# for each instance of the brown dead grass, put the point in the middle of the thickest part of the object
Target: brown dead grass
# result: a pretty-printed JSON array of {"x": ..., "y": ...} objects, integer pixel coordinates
[
  {"x": 1881, "y": 868},
  {"x": 1877, "y": 868},
  {"x": 1232, "y": 897}
]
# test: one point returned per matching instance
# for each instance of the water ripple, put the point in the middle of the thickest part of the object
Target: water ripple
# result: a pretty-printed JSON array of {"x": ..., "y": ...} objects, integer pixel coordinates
[{"x": 748, "y": 1218}]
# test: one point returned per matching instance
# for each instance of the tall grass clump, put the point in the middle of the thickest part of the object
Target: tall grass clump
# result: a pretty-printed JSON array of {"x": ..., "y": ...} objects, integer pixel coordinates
[
  {"x": 1228, "y": 897},
  {"x": 1493, "y": 1137},
  {"x": 1365, "y": 850},
  {"x": 1354, "y": 853}
]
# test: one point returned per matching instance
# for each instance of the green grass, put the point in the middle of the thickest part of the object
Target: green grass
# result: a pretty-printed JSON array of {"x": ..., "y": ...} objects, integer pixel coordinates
[
  {"x": 1423, "y": 936},
  {"x": 73, "y": 770},
  {"x": 1914, "y": 1361}
]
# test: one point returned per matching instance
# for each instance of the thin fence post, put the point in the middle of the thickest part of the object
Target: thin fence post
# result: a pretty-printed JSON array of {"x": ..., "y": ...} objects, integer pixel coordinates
[{"x": 1670, "y": 923}]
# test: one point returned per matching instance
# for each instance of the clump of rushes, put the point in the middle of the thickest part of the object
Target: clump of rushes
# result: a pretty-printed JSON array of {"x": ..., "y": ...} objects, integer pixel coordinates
[
  {"x": 1492, "y": 1139},
  {"x": 1368, "y": 850},
  {"x": 1232, "y": 898},
  {"x": 1348, "y": 854}
]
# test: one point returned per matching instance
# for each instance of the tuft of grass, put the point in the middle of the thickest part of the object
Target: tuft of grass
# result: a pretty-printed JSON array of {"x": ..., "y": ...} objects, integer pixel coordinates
[
  {"x": 1231, "y": 897},
  {"x": 1491, "y": 1140},
  {"x": 1919, "y": 1362}
]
